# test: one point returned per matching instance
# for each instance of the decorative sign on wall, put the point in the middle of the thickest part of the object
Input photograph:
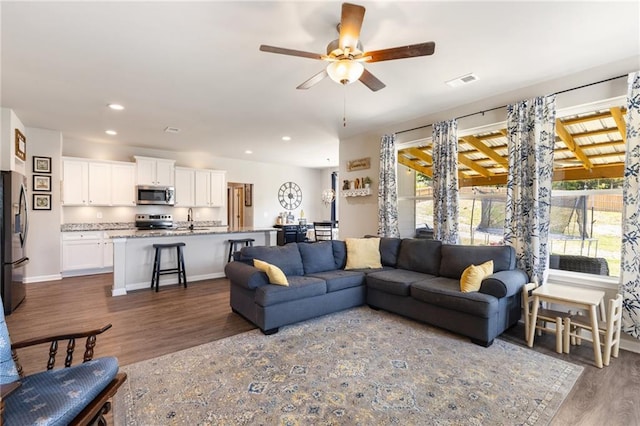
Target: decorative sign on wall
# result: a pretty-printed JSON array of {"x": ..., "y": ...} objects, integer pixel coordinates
[{"x": 359, "y": 164}]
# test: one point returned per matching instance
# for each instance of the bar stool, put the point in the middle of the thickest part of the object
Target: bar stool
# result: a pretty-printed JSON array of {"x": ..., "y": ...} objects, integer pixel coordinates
[
  {"x": 233, "y": 246},
  {"x": 179, "y": 269}
]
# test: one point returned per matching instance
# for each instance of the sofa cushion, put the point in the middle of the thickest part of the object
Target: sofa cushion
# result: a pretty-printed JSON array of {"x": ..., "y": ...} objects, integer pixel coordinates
[
  {"x": 445, "y": 293},
  {"x": 317, "y": 257},
  {"x": 474, "y": 274},
  {"x": 456, "y": 258},
  {"x": 299, "y": 288},
  {"x": 389, "y": 249},
  {"x": 420, "y": 255},
  {"x": 286, "y": 257},
  {"x": 395, "y": 281},
  {"x": 339, "y": 253},
  {"x": 363, "y": 253},
  {"x": 275, "y": 274},
  {"x": 340, "y": 279}
]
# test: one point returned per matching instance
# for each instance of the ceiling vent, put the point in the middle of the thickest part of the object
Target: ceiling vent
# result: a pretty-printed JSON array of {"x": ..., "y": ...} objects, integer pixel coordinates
[
  {"x": 171, "y": 130},
  {"x": 465, "y": 79}
]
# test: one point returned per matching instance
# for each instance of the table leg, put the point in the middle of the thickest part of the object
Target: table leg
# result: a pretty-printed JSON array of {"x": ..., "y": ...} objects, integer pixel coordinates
[
  {"x": 597, "y": 351},
  {"x": 534, "y": 320}
]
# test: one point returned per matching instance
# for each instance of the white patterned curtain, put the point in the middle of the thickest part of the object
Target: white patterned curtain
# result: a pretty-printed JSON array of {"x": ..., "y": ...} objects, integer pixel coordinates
[
  {"x": 531, "y": 138},
  {"x": 445, "y": 181},
  {"x": 388, "y": 189},
  {"x": 630, "y": 259}
]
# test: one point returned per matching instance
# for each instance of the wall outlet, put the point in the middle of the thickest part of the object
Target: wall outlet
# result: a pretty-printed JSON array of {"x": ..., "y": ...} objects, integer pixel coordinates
[{"x": 99, "y": 215}]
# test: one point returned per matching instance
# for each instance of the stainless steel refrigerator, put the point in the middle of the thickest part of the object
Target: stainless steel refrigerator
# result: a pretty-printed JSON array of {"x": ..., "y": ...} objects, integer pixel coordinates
[{"x": 14, "y": 226}]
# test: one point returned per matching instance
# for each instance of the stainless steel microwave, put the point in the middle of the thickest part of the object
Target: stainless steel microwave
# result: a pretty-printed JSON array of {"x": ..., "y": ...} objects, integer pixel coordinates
[{"x": 155, "y": 195}]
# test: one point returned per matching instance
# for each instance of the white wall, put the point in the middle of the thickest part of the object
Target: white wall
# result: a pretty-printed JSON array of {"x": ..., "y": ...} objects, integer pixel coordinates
[{"x": 43, "y": 242}]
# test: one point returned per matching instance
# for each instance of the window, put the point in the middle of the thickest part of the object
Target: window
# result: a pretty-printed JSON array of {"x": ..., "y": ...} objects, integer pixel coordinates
[{"x": 586, "y": 209}]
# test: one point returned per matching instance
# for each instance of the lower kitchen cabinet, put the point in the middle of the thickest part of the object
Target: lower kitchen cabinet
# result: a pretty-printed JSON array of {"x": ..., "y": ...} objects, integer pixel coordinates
[{"x": 86, "y": 253}]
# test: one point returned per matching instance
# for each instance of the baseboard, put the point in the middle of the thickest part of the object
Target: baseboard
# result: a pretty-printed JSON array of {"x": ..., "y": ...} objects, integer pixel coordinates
[
  {"x": 82, "y": 272},
  {"x": 42, "y": 278}
]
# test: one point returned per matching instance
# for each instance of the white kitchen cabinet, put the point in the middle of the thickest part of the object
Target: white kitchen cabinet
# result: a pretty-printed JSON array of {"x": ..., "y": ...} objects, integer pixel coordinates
[
  {"x": 89, "y": 251},
  {"x": 155, "y": 171},
  {"x": 99, "y": 183},
  {"x": 75, "y": 182},
  {"x": 123, "y": 184},
  {"x": 185, "y": 187},
  {"x": 211, "y": 188}
]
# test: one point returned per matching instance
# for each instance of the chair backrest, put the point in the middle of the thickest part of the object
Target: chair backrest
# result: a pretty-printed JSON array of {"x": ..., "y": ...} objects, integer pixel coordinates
[
  {"x": 614, "y": 313},
  {"x": 323, "y": 231},
  {"x": 8, "y": 370}
]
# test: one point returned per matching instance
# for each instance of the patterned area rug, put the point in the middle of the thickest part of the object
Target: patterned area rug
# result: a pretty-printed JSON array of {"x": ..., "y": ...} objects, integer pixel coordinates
[{"x": 358, "y": 367}]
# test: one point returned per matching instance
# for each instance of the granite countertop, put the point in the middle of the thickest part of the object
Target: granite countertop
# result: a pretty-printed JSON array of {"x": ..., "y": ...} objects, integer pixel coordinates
[{"x": 180, "y": 231}]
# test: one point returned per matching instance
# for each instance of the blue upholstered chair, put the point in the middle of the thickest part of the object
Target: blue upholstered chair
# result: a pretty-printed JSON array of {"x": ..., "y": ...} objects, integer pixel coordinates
[{"x": 74, "y": 395}]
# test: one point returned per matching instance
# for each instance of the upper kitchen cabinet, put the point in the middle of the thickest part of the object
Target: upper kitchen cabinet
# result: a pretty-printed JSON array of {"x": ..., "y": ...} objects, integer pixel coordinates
[
  {"x": 97, "y": 183},
  {"x": 75, "y": 182},
  {"x": 211, "y": 188},
  {"x": 185, "y": 187},
  {"x": 155, "y": 171}
]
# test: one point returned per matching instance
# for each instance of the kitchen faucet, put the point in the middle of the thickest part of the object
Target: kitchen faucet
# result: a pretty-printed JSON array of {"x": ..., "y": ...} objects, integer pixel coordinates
[{"x": 190, "y": 218}]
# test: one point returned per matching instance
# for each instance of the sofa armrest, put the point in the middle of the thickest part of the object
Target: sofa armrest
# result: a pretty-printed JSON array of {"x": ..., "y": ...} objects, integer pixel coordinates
[
  {"x": 504, "y": 283},
  {"x": 247, "y": 276}
]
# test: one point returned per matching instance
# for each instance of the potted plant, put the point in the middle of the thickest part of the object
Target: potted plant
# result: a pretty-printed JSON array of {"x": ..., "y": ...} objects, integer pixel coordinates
[{"x": 366, "y": 181}]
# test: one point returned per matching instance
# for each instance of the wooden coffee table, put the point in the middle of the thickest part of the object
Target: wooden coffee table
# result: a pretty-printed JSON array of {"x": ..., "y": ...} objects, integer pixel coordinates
[{"x": 574, "y": 297}]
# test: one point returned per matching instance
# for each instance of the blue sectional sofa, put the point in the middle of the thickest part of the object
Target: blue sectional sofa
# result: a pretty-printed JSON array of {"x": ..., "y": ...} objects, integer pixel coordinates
[{"x": 418, "y": 278}]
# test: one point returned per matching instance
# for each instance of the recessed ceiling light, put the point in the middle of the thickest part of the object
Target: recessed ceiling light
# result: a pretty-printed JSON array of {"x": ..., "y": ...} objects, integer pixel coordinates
[
  {"x": 286, "y": 138},
  {"x": 464, "y": 79},
  {"x": 111, "y": 132},
  {"x": 117, "y": 107},
  {"x": 248, "y": 151}
]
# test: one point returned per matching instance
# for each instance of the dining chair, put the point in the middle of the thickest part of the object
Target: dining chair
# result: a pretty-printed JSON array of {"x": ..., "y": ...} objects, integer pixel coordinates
[
  {"x": 609, "y": 329},
  {"x": 561, "y": 320},
  {"x": 323, "y": 231}
]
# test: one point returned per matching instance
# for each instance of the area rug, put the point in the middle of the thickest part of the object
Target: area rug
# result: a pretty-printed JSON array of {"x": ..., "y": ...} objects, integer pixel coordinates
[{"x": 357, "y": 367}]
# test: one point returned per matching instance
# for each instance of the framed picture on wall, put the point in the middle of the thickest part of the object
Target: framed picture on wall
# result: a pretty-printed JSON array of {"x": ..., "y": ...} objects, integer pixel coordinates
[
  {"x": 21, "y": 145},
  {"x": 41, "y": 183},
  {"x": 248, "y": 194},
  {"x": 41, "y": 202},
  {"x": 41, "y": 164}
]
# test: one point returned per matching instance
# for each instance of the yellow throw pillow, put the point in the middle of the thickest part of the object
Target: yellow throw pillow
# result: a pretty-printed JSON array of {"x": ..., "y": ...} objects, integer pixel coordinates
[
  {"x": 363, "y": 253},
  {"x": 472, "y": 276},
  {"x": 275, "y": 274}
]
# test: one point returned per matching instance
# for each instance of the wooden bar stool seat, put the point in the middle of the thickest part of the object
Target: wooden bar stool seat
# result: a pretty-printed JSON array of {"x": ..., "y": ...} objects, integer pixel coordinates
[
  {"x": 233, "y": 246},
  {"x": 178, "y": 269}
]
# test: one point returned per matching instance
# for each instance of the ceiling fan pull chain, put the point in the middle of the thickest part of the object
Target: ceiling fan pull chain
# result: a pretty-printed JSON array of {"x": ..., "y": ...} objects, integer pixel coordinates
[{"x": 344, "y": 106}]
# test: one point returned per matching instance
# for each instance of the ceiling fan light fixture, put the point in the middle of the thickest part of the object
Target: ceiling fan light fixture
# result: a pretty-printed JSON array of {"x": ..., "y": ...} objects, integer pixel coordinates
[{"x": 345, "y": 71}]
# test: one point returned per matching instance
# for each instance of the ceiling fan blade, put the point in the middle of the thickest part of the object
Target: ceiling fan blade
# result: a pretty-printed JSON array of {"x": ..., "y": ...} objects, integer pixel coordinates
[
  {"x": 411, "y": 51},
  {"x": 371, "y": 81},
  {"x": 314, "y": 80},
  {"x": 290, "y": 52},
  {"x": 350, "y": 25}
]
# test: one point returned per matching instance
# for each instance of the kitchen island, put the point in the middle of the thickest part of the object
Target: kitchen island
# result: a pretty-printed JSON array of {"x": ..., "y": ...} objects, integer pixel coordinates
[{"x": 205, "y": 253}]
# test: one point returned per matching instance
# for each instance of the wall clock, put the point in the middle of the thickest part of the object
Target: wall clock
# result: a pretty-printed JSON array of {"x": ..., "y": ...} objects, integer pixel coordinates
[{"x": 290, "y": 195}]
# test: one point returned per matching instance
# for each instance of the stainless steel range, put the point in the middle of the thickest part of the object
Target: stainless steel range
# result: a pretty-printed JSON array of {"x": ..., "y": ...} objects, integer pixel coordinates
[{"x": 154, "y": 221}]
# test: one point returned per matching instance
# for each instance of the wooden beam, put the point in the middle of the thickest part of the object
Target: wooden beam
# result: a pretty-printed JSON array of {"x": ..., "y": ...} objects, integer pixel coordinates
[
  {"x": 418, "y": 153},
  {"x": 616, "y": 113},
  {"x": 486, "y": 150},
  {"x": 595, "y": 132},
  {"x": 568, "y": 140},
  {"x": 609, "y": 171},
  {"x": 462, "y": 159},
  {"x": 414, "y": 166}
]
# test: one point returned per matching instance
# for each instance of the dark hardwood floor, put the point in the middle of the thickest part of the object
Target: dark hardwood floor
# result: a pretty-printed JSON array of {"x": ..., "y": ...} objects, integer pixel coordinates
[{"x": 148, "y": 324}]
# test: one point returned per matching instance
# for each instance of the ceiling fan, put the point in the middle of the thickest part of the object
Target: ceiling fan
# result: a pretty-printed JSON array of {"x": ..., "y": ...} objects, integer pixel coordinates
[{"x": 346, "y": 55}]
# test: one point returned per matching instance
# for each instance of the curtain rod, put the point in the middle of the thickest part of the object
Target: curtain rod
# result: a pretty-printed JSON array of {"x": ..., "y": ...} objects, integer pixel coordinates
[{"x": 504, "y": 106}]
